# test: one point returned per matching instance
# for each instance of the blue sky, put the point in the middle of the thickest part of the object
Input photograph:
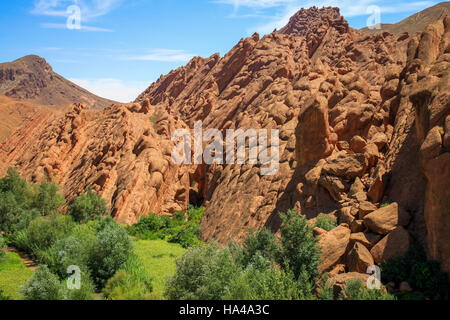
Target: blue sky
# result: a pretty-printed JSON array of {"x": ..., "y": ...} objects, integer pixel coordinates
[{"x": 125, "y": 45}]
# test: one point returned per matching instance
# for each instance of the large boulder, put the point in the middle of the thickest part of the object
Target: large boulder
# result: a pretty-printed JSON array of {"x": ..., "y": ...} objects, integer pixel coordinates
[
  {"x": 344, "y": 165},
  {"x": 394, "y": 245},
  {"x": 333, "y": 246},
  {"x": 359, "y": 258},
  {"x": 384, "y": 220},
  {"x": 368, "y": 239},
  {"x": 340, "y": 281}
]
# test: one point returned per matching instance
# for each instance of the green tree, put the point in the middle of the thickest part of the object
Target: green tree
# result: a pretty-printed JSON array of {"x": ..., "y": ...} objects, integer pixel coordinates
[
  {"x": 111, "y": 250},
  {"x": 299, "y": 249},
  {"x": 43, "y": 285},
  {"x": 202, "y": 273},
  {"x": 89, "y": 206},
  {"x": 48, "y": 201}
]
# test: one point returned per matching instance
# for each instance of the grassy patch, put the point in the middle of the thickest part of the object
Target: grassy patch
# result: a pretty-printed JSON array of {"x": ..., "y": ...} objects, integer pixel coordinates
[
  {"x": 13, "y": 274},
  {"x": 158, "y": 257}
]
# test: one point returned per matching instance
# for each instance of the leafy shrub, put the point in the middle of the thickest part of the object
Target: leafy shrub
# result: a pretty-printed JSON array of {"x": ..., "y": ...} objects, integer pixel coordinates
[
  {"x": 325, "y": 289},
  {"x": 110, "y": 251},
  {"x": 48, "y": 201},
  {"x": 12, "y": 216},
  {"x": 356, "y": 290},
  {"x": 23, "y": 192},
  {"x": 263, "y": 243},
  {"x": 299, "y": 248},
  {"x": 89, "y": 206},
  {"x": 86, "y": 291},
  {"x": 43, "y": 285},
  {"x": 202, "y": 273},
  {"x": 325, "y": 222},
  {"x": 130, "y": 283},
  {"x": 421, "y": 274},
  {"x": 42, "y": 233},
  {"x": 71, "y": 250},
  {"x": 260, "y": 281}
]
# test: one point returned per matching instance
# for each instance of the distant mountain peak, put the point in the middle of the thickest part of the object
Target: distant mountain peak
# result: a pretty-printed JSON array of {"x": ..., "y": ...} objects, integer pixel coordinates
[{"x": 32, "y": 78}]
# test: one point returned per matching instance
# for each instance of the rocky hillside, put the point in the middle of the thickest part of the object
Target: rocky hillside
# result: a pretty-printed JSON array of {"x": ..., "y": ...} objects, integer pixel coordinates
[
  {"x": 15, "y": 114},
  {"x": 417, "y": 22},
  {"x": 364, "y": 126},
  {"x": 31, "y": 78}
]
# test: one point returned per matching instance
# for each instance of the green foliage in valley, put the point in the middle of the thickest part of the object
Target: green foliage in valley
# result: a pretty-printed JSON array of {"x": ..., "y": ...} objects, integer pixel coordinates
[
  {"x": 178, "y": 229},
  {"x": 264, "y": 268}
]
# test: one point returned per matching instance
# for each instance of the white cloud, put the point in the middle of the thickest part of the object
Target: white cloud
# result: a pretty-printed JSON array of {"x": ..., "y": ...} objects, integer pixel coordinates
[
  {"x": 82, "y": 27},
  {"x": 114, "y": 89},
  {"x": 89, "y": 8},
  {"x": 349, "y": 8},
  {"x": 163, "y": 55}
]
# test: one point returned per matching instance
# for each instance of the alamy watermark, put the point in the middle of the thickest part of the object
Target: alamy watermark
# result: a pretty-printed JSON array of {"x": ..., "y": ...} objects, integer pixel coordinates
[
  {"x": 74, "y": 17},
  {"x": 374, "y": 281},
  {"x": 374, "y": 20},
  {"x": 234, "y": 152},
  {"x": 74, "y": 279}
]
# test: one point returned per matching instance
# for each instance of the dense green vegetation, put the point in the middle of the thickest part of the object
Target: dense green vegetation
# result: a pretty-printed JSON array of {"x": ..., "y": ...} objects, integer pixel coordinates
[
  {"x": 264, "y": 268},
  {"x": 180, "y": 229},
  {"x": 421, "y": 274}
]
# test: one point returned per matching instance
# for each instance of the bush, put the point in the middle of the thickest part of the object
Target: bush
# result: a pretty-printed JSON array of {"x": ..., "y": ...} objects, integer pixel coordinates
[
  {"x": 414, "y": 268},
  {"x": 42, "y": 233},
  {"x": 325, "y": 222},
  {"x": 356, "y": 290},
  {"x": 43, "y": 285},
  {"x": 260, "y": 281},
  {"x": 299, "y": 249},
  {"x": 48, "y": 201},
  {"x": 89, "y": 206},
  {"x": 111, "y": 250},
  {"x": 23, "y": 192},
  {"x": 202, "y": 273},
  {"x": 130, "y": 283},
  {"x": 86, "y": 291},
  {"x": 263, "y": 243},
  {"x": 71, "y": 250}
]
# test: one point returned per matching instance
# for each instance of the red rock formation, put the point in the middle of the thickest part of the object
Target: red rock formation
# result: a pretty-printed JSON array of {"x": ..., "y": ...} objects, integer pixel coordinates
[{"x": 346, "y": 104}]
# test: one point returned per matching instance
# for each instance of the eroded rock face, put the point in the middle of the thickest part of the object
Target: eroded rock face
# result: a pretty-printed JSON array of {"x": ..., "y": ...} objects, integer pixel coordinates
[{"x": 353, "y": 111}]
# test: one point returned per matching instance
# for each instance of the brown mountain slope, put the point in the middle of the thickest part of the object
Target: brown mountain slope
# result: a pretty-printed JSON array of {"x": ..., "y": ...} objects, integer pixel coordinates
[
  {"x": 416, "y": 22},
  {"x": 15, "y": 114},
  {"x": 31, "y": 78},
  {"x": 363, "y": 121}
]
